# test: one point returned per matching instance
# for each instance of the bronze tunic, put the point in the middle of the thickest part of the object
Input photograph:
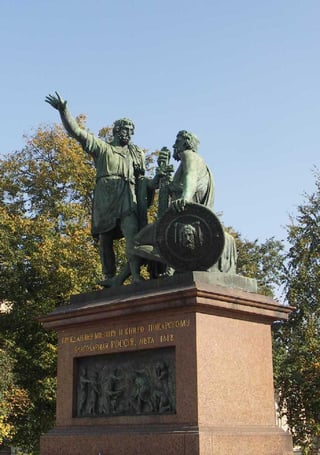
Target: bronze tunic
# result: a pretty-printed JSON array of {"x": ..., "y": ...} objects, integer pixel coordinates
[{"x": 115, "y": 190}]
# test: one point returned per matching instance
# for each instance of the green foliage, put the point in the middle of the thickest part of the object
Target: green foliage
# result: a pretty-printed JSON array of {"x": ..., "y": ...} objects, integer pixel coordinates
[
  {"x": 297, "y": 342},
  {"x": 263, "y": 262},
  {"x": 13, "y": 399},
  {"x": 46, "y": 254}
]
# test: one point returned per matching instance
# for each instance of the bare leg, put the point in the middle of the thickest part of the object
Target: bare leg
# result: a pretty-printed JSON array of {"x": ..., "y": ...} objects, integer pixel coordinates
[
  {"x": 129, "y": 227},
  {"x": 107, "y": 255}
]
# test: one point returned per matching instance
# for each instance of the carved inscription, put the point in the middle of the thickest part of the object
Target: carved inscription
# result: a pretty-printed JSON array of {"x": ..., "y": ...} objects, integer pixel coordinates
[
  {"x": 128, "y": 383},
  {"x": 125, "y": 338}
]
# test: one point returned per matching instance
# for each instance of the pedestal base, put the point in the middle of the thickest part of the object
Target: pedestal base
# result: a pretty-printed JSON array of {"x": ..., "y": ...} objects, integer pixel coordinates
[
  {"x": 211, "y": 395},
  {"x": 170, "y": 441}
]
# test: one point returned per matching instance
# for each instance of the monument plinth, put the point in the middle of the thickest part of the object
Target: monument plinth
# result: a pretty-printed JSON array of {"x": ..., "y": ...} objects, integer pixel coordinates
[{"x": 175, "y": 366}]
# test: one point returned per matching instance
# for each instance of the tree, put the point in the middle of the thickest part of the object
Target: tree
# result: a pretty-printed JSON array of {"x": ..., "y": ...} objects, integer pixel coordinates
[
  {"x": 46, "y": 254},
  {"x": 297, "y": 341},
  {"x": 262, "y": 261},
  {"x": 13, "y": 400}
]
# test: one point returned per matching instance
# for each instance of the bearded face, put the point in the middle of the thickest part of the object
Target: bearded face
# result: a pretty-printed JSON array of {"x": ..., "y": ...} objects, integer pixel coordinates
[
  {"x": 178, "y": 147},
  {"x": 184, "y": 141},
  {"x": 124, "y": 135},
  {"x": 123, "y": 130}
]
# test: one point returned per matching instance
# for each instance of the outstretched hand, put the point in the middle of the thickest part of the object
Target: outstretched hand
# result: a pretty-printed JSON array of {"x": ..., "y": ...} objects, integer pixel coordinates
[{"x": 56, "y": 101}]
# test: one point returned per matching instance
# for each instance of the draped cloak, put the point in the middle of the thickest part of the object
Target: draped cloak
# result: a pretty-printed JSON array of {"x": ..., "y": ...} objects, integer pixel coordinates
[{"x": 119, "y": 184}]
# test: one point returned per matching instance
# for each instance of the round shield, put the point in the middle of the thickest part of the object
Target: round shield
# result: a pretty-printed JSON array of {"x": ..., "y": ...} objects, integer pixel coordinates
[{"x": 190, "y": 240}]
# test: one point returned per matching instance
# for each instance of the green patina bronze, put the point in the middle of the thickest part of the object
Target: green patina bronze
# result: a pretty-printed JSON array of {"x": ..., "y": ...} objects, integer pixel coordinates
[
  {"x": 122, "y": 194},
  {"x": 126, "y": 383},
  {"x": 192, "y": 183},
  {"x": 119, "y": 207}
]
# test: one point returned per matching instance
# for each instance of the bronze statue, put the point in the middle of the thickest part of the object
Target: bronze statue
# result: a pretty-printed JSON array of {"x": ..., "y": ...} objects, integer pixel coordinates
[
  {"x": 192, "y": 183},
  {"x": 119, "y": 207},
  {"x": 121, "y": 198}
]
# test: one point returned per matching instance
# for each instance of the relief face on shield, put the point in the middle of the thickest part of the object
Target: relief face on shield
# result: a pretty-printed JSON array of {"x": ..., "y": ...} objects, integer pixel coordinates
[{"x": 189, "y": 236}]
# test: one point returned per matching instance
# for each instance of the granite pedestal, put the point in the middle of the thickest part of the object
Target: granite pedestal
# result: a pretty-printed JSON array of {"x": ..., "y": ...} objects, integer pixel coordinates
[{"x": 217, "y": 343}]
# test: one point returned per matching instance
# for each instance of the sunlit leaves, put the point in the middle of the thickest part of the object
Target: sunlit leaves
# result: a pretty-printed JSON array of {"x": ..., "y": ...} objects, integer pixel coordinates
[
  {"x": 297, "y": 342},
  {"x": 13, "y": 399},
  {"x": 262, "y": 261},
  {"x": 46, "y": 254}
]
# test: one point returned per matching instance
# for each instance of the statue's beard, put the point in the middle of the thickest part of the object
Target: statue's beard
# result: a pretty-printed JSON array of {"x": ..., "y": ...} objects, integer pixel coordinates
[{"x": 124, "y": 140}]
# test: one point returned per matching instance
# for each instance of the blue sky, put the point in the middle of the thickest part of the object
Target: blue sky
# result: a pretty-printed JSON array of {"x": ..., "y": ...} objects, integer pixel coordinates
[{"x": 243, "y": 75}]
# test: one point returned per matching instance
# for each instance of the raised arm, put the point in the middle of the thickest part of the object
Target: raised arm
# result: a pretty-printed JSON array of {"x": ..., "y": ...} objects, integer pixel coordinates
[{"x": 68, "y": 121}]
